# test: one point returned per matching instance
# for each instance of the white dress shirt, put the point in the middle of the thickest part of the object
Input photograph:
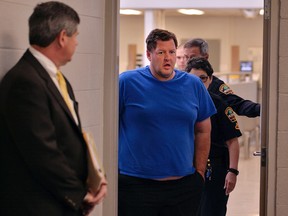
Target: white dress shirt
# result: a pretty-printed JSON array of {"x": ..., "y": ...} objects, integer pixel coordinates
[{"x": 51, "y": 68}]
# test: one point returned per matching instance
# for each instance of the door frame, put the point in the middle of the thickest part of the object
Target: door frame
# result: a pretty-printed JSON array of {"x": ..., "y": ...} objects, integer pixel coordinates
[
  {"x": 269, "y": 108},
  {"x": 110, "y": 104}
]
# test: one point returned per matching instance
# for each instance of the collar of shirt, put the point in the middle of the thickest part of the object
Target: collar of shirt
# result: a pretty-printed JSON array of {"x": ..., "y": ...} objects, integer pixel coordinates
[{"x": 49, "y": 66}]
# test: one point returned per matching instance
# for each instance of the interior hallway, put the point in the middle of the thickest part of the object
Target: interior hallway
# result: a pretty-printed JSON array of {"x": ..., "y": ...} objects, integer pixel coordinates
[{"x": 244, "y": 200}]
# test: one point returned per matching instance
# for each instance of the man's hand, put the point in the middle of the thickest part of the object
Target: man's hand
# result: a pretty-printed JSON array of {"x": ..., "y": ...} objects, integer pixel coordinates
[
  {"x": 90, "y": 200},
  {"x": 201, "y": 173}
]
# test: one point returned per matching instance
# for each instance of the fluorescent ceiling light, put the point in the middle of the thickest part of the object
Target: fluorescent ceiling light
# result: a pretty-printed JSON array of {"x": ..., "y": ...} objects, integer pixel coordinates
[
  {"x": 261, "y": 12},
  {"x": 130, "y": 12},
  {"x": 191, "y": 11}
]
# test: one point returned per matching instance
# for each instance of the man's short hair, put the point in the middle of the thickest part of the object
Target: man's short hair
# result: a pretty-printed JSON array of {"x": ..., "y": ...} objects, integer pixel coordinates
[
  {"x": 159, "y": 34},
  {"x": 48, "y": 20},
  {"x": 200, "y": 43}
]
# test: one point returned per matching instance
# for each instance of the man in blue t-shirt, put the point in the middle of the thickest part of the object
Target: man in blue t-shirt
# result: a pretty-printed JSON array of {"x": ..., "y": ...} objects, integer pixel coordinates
[{"x": 164, "y": 134}]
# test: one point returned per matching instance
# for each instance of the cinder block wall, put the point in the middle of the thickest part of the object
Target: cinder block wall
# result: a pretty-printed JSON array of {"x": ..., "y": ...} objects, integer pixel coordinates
[
  {"x": 85, "y": 72},
  {"x": 282, "y": 133}
]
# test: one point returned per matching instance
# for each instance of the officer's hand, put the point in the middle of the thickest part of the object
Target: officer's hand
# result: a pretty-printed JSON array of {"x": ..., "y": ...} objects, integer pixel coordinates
[{"x": 230, "y": 182}]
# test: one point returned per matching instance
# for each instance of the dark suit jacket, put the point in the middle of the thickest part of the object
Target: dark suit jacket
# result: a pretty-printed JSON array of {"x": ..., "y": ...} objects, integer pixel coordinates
[{"x": 42, "y": 150}]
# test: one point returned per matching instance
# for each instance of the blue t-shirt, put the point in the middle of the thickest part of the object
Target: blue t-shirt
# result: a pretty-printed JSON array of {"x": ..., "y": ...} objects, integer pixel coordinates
[{"x": 156, "y": 123}]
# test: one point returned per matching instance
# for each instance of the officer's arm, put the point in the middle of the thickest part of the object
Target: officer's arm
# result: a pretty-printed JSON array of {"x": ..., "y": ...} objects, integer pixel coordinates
[
  {"x": 243, "y": 107},
  {"x": 202, "y": 144},
  {"x": 233, "y": 147}
]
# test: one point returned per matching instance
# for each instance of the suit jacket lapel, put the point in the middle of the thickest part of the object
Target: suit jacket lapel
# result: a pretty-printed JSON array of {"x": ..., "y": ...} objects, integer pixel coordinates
[
  {"x": 75, "y": 103},
  {"x": 51, "y": 86}
]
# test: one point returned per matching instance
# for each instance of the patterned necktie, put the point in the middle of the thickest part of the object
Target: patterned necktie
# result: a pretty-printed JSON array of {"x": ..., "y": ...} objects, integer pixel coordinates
[{"x": 63, "y": 89}]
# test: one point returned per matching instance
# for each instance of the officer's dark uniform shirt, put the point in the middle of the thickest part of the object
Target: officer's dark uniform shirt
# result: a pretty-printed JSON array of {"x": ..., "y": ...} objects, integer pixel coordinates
[
  {"x": 224, "y": 127},
  {"x": 238, "y": 104}
]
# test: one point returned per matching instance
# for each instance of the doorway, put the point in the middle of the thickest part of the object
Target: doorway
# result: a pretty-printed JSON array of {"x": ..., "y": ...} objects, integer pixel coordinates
[{"x": 269, "y": 91}]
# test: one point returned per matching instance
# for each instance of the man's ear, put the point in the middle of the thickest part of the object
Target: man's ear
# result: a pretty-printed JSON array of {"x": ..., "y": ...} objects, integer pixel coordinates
[
  {"x": 61, "y": 39},
  {"x": 148, "y": 54}
]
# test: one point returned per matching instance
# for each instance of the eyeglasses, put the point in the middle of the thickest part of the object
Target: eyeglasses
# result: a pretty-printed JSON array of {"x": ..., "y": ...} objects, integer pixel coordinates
[{"x": 203, "y": 78}]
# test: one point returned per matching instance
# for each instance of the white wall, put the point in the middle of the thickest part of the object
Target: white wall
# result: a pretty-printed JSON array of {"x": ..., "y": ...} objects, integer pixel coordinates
[
  {"x": 282, "y": 118},
  {"x": 131, "y": 32},
  {"x": 230, "y": 30}
]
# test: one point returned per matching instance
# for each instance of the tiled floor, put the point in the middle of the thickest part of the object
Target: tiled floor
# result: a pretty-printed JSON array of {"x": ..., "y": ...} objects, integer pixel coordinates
[{"x": 244, "y": 200}]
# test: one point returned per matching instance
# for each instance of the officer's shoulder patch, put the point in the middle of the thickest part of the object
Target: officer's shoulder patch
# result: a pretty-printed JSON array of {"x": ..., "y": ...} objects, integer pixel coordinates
[
  {"x": 230, "y": 114},
  {"x": 224, "y": 88}
]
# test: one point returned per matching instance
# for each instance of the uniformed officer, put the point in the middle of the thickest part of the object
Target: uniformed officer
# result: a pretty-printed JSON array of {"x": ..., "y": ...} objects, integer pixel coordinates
[
  {"x": 199, "y": 47},
  {"x": 222, "y": 166}
]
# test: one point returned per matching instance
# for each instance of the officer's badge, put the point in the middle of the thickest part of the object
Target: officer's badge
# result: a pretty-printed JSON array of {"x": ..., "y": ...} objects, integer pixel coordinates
[
  {"x": 224, "y": 88},
  {"x": 231, "y": 116}
]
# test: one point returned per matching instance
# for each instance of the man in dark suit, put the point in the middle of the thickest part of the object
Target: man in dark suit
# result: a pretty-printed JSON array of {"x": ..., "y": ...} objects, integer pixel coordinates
[{"x": 42, "y": 150}]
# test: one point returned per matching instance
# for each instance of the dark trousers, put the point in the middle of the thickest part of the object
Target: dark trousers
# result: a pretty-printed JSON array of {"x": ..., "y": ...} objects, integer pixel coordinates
[
  {"x": 145, "y": 197},
  {"x": 214, "y": 199}
]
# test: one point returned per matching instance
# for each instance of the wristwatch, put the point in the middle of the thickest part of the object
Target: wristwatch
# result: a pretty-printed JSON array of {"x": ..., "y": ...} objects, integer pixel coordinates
[{"x": 232, "y": 170}]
